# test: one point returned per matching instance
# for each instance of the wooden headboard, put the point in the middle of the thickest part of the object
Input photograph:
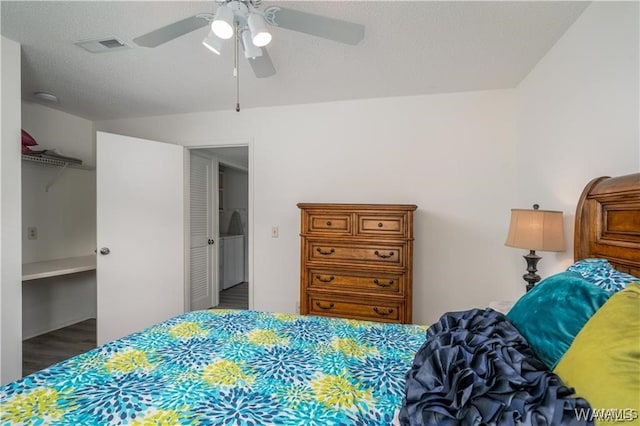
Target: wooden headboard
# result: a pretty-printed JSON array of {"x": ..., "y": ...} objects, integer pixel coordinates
[{"x": 608, "y": 222}]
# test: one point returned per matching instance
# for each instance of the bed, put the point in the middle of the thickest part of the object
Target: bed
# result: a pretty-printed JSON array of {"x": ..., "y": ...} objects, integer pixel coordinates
[
  {"x": 567, "y": 352},
  {"x": 227, "y": 367},
  {"x": 545, "y": 362}
]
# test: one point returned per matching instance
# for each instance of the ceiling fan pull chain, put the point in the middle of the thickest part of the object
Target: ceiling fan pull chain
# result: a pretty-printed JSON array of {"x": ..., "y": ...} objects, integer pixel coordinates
[{"x": 237, "y": 67}]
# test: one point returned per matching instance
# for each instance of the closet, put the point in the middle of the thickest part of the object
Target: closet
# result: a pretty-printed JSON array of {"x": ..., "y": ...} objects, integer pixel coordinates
[{"x": 58, "y": 224}]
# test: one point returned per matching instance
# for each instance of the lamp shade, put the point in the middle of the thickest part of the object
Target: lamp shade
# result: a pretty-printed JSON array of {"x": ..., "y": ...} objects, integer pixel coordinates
[{"x": 536, "y": 230}]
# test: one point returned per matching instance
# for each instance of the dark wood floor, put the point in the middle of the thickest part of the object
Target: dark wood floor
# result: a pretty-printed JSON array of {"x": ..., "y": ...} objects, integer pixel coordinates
[
  {"x": 236, "y": 297},
  {"x": 47, "y": 349}
]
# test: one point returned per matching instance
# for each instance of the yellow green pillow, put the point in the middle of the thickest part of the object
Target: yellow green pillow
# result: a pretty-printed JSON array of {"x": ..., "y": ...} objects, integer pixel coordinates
[{"x": 603, "y": 362}]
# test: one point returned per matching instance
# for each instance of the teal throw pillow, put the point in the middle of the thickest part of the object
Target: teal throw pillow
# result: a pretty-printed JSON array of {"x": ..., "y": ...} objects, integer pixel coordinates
[{"x": 553, "y": 312}]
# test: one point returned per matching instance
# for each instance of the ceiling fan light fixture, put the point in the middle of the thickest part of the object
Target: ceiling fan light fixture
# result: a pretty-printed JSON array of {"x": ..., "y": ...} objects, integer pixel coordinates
[
  {"x": 250, "y": 49},
  {"x": 213, "y": 43},
  {"x": 222, "y": 24},
  {"x": 258, "y": 27}
]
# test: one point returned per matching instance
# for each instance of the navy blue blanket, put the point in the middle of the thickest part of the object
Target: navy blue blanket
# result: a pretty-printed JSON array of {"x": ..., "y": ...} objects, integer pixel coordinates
[{"x": 476, "y": 368}]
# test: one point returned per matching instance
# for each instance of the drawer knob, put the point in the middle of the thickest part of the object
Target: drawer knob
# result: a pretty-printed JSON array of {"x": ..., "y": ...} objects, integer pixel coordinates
[
  {"x": 325, "y": 280},
  {"x": 326, "y": 252},
  {"x": 380, "y": 225},
  {"x": 319, "y": 305},
  {"x": 387, "y": 284},
  {"x": 383, "y": 256},
  {"x": 328, "y": 223},
  {"x": 384, "y": 314}
]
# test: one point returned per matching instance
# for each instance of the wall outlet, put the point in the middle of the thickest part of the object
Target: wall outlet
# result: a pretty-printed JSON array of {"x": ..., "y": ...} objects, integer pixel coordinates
[
  {"x": 275, "y": 232},
  {"x": 32, "y": 233}
]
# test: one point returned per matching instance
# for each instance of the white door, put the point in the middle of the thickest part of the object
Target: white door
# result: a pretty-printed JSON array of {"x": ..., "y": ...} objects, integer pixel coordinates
[
  {"x": 202, "y": 250},
  {"x": 140, "y": 223}
]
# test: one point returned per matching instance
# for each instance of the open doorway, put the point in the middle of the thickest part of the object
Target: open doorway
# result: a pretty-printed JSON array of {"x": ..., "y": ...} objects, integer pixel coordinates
[{"x": 219, "y": 228}]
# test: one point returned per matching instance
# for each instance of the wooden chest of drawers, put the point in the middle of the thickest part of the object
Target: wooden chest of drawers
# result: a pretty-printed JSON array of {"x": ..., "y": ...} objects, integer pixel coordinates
[{"x": 356, "y": 261}]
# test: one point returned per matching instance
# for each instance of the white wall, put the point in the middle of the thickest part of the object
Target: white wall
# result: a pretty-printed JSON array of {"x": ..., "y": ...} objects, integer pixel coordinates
[
  {"x": 465, "y": 159},
  {"x": 54, "y": 129},
  {"x": 452, "y": 155},
  {"x": 65, "y": 218},
  {"x": 52, "y": 303},
  {"x": 578, "y": 115},
  {"x": 10, "y": 265}
]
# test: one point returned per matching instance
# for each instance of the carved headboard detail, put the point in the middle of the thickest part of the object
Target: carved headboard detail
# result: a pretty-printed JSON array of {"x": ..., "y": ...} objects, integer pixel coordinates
[{"x": 608, "y": 222}]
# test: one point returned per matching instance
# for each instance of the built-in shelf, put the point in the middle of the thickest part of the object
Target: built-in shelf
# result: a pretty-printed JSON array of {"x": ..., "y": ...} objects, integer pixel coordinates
[
  {"x": 53, "y": 268},
  {"x": 52, "y": 162}
]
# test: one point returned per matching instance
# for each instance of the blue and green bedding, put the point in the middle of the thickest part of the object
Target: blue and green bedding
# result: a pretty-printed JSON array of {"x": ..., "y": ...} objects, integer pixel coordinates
[
  {"x": 222, "y": 367},
  {"x": 482, "y": 367}
]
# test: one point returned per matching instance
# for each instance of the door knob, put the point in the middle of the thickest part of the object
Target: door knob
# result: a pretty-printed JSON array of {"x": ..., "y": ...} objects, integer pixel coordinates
[{"x": 105, "y": 250}]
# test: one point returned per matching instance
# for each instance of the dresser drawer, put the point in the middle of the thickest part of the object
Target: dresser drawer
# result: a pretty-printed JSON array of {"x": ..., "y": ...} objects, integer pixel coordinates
[
  {"x": 347, "y": 253},
  {"x": 387, "y": 311},
  {"x": 355, "y": 281},
  {"x": 381, "y": 225},
  {"x": 328, "y": 223}
]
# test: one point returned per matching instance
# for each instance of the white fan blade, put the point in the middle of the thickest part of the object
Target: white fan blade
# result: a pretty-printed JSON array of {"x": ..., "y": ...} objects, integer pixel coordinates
[
  {"x": 171, "y": 31},
  {"x": 262, "y": 65},
  {"x": 321, "y": 26}
]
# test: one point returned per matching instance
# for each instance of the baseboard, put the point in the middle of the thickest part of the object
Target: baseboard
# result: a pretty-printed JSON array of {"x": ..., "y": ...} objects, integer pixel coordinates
[{"x": 58, "y": 326}]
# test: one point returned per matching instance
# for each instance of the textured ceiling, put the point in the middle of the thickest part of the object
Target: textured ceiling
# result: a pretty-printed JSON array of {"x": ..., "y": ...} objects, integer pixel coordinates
[{"x": 410, "y": 48}]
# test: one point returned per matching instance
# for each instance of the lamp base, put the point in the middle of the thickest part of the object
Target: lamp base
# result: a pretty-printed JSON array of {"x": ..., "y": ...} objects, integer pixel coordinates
[{"x": 532, "y": 262}]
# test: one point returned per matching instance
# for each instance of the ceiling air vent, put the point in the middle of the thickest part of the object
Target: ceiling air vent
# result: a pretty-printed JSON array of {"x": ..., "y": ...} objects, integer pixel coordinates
[{"x": 103, "y": 45}]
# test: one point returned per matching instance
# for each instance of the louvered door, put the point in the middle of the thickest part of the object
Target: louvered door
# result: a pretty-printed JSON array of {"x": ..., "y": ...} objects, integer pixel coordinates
[{"x": 202, "y": 249}]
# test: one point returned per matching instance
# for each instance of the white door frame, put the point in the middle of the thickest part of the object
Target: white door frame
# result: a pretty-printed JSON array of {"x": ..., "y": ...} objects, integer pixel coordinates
[{"x": 187, "y": 234}]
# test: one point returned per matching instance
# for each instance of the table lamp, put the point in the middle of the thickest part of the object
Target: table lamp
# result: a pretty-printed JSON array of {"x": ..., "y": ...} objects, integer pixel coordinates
[{"x": 535, "y": 230}]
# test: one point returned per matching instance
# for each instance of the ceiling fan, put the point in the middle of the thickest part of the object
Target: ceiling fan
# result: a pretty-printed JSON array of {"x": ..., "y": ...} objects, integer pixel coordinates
[{"x": 249, "y": 25}]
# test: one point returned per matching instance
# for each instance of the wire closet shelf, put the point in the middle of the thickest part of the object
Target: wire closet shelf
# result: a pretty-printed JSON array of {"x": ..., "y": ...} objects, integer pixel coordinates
[{"x": 53, "y": 162}]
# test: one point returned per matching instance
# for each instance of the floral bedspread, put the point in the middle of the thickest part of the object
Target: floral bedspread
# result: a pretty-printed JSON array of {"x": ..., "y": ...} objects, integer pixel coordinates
[{"x": 226, "y": 367}]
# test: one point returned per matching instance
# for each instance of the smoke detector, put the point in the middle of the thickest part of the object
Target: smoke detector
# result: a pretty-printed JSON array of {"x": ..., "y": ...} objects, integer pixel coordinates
[{"x": 44, "y": 96}]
